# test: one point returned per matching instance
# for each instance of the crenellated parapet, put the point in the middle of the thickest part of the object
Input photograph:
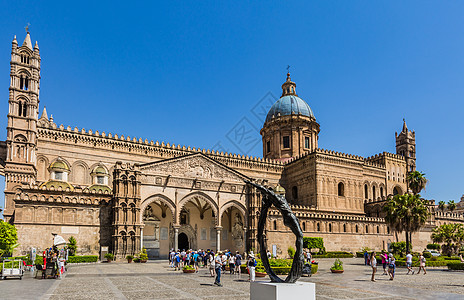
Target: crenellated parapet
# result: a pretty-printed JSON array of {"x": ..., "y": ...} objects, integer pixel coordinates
[{"x": 143, "y": 147}]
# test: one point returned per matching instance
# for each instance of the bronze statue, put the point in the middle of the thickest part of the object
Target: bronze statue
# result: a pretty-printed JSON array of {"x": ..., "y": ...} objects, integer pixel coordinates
[{"x": 290, "y": 220}]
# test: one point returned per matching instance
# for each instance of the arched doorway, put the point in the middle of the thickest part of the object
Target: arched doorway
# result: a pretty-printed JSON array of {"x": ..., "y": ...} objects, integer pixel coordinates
[{"x": 183, "y": 242}]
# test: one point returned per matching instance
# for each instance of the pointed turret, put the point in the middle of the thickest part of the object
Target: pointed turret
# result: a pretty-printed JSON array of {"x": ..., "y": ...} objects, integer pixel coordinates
[
  {"x": 44, "y": 114},
  {"x": 14, "y": 42},
  {"x": 27, "y": 41},
  {"x": 405, "y": 127},
  {"x": 36, "y": 47}
]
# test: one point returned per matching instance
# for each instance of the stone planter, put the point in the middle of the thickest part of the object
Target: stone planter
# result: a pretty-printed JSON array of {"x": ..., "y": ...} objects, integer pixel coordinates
[
  {"x": 129, "y": 260},
  {"x": 260, "y": 274},
  {"x": 143, "y": 261},
  {"x": 188, "y": 271},
  {"x": 337, "y": 271}
]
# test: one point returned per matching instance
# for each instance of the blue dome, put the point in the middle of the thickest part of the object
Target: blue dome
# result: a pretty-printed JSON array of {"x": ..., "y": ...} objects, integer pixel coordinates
[{"x": 289, "y": 105}]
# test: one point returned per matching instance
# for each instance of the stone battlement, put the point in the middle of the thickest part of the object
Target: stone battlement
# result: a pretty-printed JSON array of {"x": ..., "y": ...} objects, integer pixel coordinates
[{"x": 141, "y": 146}]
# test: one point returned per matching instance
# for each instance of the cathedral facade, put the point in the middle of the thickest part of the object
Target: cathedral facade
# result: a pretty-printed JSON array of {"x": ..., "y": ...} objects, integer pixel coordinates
[{"x": 124, "y": 193}]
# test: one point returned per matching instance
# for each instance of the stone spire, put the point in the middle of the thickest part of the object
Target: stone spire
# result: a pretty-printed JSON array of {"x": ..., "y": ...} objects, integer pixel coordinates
[
  {"x": 405, "y": 127},
  {"x": 36, "y": 47},
  {"x": 289, "y": 87},
  {"x": 44, "y": 114},
  {"x": 27, "y": 41},
  {"x": 15, "y": 42}
]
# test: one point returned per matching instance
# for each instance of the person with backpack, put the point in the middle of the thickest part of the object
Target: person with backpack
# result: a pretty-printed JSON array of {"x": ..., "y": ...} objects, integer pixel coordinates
[
  {"x": 251, "y": 265},
  {"x": 422, "y": 261},
  {"x": 218, "y": 265},
  {"x": 391, "y": 266},
  {"x": 211, "y": 263}
]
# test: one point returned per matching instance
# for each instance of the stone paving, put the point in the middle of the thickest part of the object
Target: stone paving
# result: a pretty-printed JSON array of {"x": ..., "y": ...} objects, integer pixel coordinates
[{"x": 155, "y": 280}]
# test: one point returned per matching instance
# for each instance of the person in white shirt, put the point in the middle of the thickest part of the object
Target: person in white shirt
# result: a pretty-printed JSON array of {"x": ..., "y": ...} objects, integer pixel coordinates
[
  {"x": 218, "y": 265},
  {"x": 409, "y": 263},
  {"x": 232, "y": 264},
  {"x": 373, "y": 261}
]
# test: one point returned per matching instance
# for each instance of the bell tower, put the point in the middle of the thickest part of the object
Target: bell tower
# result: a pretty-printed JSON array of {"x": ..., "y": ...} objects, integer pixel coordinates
[
  {"x": 21, "y": 141},
  {"x": 406, "y": 146}
]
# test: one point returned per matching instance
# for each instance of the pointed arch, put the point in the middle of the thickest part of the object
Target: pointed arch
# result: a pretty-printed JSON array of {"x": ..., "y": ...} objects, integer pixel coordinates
[
  {"x": 162, "y": 198},
  {"x": 236, "y": 204},
  {"x": 201, "y": 195}
]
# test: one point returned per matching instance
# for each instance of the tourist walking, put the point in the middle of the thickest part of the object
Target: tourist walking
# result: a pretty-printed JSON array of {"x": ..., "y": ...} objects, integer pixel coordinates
[
  {"x": 409, "y": 263},
  {"x": 391, "y": 266},
  {"x": 373, "y": 265},
  {"x": 269, "y": 255},
  {"x": 384, "y": 257},
  {"x": 366, "y": 258},
  {"x": 232, "y": 264},
  {"x": 238, "y": 263},
  {"x": 422, "y": 261},
  {"x": 251, "y": 264},
  {"x": 218, "y": 265},
  {"x": 196, "y": 260},
  {"x": 211, "y": 264}
]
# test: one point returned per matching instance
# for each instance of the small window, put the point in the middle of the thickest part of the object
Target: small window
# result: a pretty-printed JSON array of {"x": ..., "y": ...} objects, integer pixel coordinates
[
  {"x": 330, "y": 227},
  {"x": 341, "y": 189},
  {"x": 101, "y": 179},
  {"x": 304, "y": 226},
  {"x": 286, "y": 142},
  {"x": 357, "y": 229},
  {"x": 306, "y": 142},
  {"x": 295, "y": 193},
  {"x": 373, "y": 192},
  {"x": 367, "y": 229},
  {"x": 318, "y": 227},
  {"x": 24, "y": 110},
  {"x": 275, "y": 225},
  {"x": 59, "y": 175},
  {"x": 344, "y": 227},
  {"x": 381, "y": 192},
  {"x": 183, "y": 218},
  {"x": 378, "y": 230},
  {"x": 268, "y": 146},
  {"x": 20, "y": 109},
  {"x": 388, "y": 229},
  {"x": 366, "y": 193}
]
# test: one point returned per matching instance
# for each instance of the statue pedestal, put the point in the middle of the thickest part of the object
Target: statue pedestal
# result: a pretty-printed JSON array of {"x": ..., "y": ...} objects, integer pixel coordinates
[{"x": 264, "y": 290}]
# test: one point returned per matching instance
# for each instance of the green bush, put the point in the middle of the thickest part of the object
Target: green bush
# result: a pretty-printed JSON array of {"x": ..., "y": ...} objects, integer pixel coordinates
[
  {"x": 187, "y": 267},
  {"x": 399, "y": 248},
  {"x": 334, "y": 254},
  {"x": 72, "y": 245},
  {"x": 291, "y": 251},
  {"x": 456, "y": 265},
  {"x": 427, "y": 254},
  {"x": 81, "y": 259},
  {"x": 433, "y": 246},
  {"x": 337, "y": 265},
  {"x": 314, "y": 243},
  {"x": 437, "y": 263}
]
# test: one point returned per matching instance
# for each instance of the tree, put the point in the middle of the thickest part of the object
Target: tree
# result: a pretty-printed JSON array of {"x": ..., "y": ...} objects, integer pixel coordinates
[
  {"x": 72, "y": 245},
  {"x": 8, "y": 238},
  {"x": 451, "y": 235},
  {"x": 416, "y": 182},
  {"x": 406, "y": 213},
  {"x": 441, "y": 205},
  {"x": 451, "y": 205}
]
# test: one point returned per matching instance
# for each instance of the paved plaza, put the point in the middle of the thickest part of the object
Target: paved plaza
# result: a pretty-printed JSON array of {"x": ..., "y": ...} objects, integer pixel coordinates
[{"x": 155, "y": 280}]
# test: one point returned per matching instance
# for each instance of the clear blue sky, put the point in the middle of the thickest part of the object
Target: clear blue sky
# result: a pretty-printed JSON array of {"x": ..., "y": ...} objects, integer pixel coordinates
[{"x": 189, "y": 73}]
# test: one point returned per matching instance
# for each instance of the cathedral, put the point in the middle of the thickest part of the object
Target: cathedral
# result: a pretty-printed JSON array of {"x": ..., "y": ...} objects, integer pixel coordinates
[{"x": 122, "y": 193}]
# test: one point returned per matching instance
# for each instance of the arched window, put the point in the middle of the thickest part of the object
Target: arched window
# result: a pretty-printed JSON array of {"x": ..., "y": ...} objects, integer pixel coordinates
[
  {"x": 304, "y": 226},
  {"x": 318, "y": 227},
  {"x": 357, "y": 228},
  {"x": 381, "y": 192},
  {"x": 344, "y": 227},
  {"x": 330, "y": 227},
  {"x": 295, "y": 193},
  {"x": 341, "y": 189},
  {"x": 275, "y": 225},
  {"x": 367, "y": 229},
  {"x": 388, "y": 229},
  {"x": 396, "y": 191},
  {"x": 366, "y": 193},
  {"x": 378, "y": 230},
  {"x": 373, "y": 193}
]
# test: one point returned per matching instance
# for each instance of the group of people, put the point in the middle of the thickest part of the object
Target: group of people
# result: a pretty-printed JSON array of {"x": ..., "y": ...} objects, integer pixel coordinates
[
  {"x": 55, "y": 259},
  {"x": 216, "y": 262},
  {"x": 389, "y": 263}
]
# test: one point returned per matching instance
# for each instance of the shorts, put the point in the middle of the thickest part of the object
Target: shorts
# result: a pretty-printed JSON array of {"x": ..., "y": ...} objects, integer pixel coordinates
[{"x": 408, "y": 264}]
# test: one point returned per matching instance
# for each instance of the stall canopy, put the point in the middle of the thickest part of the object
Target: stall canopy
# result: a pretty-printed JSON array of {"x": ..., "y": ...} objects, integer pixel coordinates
[{"x": 59, "y": 240}]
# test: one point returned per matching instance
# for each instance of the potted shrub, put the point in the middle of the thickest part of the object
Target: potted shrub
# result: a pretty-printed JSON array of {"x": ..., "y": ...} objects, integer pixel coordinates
[
  {"x": 188, "y": 269},
  {"x": 337, "y": 266},
  {"x": 109, "y": 257},
  {"x": 136, "y": 259},
  {"x": 260, "y": 272},
  {"x": 129, "y": 258},
  {"x": 143, "y": 255}
]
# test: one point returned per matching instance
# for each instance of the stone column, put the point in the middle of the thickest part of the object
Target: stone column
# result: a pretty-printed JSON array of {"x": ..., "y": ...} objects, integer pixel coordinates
[
  {"x": 218, "y": 238},
  {"x": 176, "y": 238},
  {"x": 141, "y": 238}
]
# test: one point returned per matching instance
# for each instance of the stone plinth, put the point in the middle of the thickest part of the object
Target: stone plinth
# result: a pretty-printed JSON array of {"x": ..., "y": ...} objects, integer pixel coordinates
[{"x": 263, "y": 290}]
